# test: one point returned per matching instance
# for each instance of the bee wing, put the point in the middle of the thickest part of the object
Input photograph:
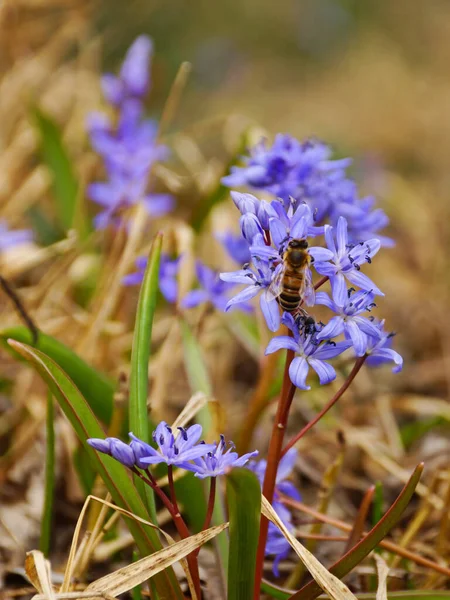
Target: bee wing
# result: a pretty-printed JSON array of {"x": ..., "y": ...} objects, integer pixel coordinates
[
  {"x": 307, "y": 292},
  {"x": 276, "y": 286}
]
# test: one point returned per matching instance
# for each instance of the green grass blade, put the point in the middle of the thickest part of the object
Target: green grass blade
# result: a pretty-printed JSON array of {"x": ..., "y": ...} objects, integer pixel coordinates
[
  {"x": 55, "y": 156},
  {"x": 140, "y": 356},
  {"x": 354, "y": 556},
  {"x": 46, "y": 525},
  {"x": 94, "y": 386},
  {"x": 113, "y": 474},
  {"x": 244, "y": 508}
]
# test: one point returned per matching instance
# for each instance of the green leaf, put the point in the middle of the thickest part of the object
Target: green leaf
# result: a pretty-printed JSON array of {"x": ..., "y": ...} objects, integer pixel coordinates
[
  {"x": 56, "y": 158},
  {"x": 356, "y": 554},
  {"x": 140, "y": 356},
  {"x": 95, "y": 387},
  {"x": 47, "y": 513},
  {"x": 113, "y": 473},
  {"x": 244, "y": 508}
]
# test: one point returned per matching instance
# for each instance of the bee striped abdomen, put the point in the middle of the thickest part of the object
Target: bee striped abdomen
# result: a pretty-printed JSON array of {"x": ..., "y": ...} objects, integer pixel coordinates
[{"x": 289, "y": 299}]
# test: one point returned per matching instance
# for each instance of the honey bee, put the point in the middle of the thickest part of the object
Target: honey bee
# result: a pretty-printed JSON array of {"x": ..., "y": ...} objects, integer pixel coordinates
[{"x": 292, "y": 284}]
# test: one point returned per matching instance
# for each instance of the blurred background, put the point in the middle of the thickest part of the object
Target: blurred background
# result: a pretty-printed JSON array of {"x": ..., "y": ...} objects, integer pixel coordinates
[{"x": 370, "y": 78}]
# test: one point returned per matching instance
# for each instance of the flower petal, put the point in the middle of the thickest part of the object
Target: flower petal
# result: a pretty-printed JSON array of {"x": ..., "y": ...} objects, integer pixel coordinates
[
  {"x": 327, "y": 351},
  {"x": 270, "y": 311},
  {"x": 194, "y": 298},
  {"x": 298, "y": 371},
  {"x": 341, "y": 236},
  {"x": 323, "y": 369},
  {"x": 250, "y": 292},
  {"x": 281, "y": 342},
  {"x": 333, "y": 328},
  {"x": 320, "y": 254},
  {"x": 339, "y": 289},
  {"x": 364, "y": 282},
  {"x": 359, "y": 339},
  {"x": 286, "y": 465}
]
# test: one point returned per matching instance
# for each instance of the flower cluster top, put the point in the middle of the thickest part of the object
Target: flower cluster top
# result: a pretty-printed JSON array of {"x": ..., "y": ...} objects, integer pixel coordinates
[{"x": 128, "y": 144}]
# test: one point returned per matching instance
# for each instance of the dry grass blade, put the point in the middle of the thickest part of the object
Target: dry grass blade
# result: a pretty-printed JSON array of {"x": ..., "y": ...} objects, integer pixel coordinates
[
  {"x": 383, "y": 572},
  {"x": 330, "y": 584},
  {"x": 37, "y": 569},
  {"x": 129, "y": 577},
  {"x": 195, "y": 403}
]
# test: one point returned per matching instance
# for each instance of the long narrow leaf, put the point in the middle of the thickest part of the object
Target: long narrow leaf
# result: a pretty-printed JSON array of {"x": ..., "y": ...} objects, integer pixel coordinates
[
  {"x": 244, "y": 506},
  {"x": 94, "y": 386},
  {"x": 55, "y": 156},
  {"x": 354, "y": 556},
  {"x": 140, "y": 355},
  {"x": 113, "y": 474},
  {"x": 47, "y": 513}
]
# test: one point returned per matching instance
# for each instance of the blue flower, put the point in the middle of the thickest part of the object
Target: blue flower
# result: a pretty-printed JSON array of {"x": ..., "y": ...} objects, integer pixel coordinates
[
  {"x": 346, "y": 262},
  {"x": 218, "y": 462},
  {"x": 295, "y": 223},
  {"x": 176, "y": 451},
  {"x": 116, "y": 448},
  {"x": 349, "y": 321},
  {"x": 10, "y": 238},
  {"x": 236, "y": 246},
  {"x": 168, "y": 271},
  {"x": 129, "y": 148},
  {"x": 257, "y": 279},
  {"x": 134, "y": 78},
  {"x": 312, "y": 354},
  {"x": 212, "y": 289},
  {"x": 380, "y": 352}
]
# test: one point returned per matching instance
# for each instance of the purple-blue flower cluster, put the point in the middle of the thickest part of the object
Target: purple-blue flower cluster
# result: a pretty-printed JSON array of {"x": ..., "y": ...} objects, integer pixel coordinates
[
  {"x": 180, "y": 449},
  {"x": 314, "y": 201},
  {"x": 128, "y": 145},
  {"x": 277, "y": 545},
  {"x": 306, "y": 172}
]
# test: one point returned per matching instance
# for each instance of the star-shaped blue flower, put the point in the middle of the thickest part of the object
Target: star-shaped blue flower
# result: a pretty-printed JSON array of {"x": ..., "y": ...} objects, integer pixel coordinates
[{"x": 311, "y": 354}]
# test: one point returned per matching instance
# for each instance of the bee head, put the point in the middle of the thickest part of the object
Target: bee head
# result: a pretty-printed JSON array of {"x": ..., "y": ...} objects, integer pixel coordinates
[{"x": 298, "y": 244}]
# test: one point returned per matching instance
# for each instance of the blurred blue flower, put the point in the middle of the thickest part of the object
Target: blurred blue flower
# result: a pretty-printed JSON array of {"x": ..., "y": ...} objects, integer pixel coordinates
[
  {"x": 312, "y": 353},
  {"x": 129, "y": 148},
  {"x": 168, "y": 271},
  {"x": 212, "y": 289},
  {"x": 349, "y": 321},
  {"x": 346, "y": 262},
  {"x": 236, "y": 246},
  {"x": 218, "y": 462},
  {"x": 134, "y": 79},
  {"x": 13, "y": 237},
  {"x": 380, "y": 352},
  {"x": 176, "y": 451}
]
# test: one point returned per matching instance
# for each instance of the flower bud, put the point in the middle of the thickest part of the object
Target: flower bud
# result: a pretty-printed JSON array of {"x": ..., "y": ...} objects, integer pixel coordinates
[
  {"x": 250, "y": 226},
  {"x": 246, "y": 203}
]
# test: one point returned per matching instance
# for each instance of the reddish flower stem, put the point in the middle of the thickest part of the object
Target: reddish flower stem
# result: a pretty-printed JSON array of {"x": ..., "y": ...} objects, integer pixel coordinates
[
  {"x": 273, "y": 458},
  {"x": 173, "y": 495},
  {"x": 356, "y": 367},
  {"x": 178, "y": 521}
]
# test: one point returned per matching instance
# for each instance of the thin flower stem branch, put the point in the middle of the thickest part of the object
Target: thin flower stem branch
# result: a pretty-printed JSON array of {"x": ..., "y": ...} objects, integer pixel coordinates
[
  {"x": 173, "y": 495},
  {"x": 273, "y": 459},
  {"x": 356, "y": 368},
  {"x": 178, "y": 521},
  {"x": 210, "y": 508}
]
